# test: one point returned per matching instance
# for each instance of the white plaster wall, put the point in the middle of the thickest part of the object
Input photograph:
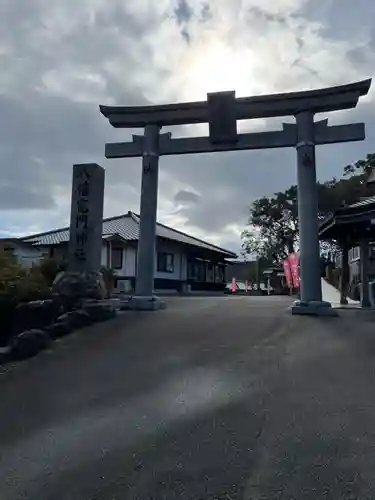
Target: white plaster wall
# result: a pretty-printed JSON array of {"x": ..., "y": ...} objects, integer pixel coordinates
[
  {"x": 128, "y": 267},
  {"x": 103, "y": 258},
  {"x": 27, "y": 256},
  {"x": 130, "y": 260}
]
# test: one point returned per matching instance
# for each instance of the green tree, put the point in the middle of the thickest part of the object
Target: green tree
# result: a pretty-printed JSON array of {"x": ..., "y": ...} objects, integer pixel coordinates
[
  {"x": 361, "y": 167},
  {"x": 273, "y": 226},
  {"x": 272, "y": 230}
]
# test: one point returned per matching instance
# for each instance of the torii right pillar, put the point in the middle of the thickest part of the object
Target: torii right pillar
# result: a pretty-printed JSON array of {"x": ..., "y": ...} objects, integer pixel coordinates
[{"x": 310, "y": 302}]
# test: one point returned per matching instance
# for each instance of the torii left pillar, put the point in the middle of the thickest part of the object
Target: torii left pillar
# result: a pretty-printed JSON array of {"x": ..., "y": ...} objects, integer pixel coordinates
[{"x": 144, "y": 297}]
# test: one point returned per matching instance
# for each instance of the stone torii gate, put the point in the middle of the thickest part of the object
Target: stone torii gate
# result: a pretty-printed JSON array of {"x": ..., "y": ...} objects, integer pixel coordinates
[{"x": 221, "y": 111}]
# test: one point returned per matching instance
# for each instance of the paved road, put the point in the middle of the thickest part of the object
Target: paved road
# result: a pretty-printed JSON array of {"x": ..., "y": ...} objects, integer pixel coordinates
[{"x": 214, "y": 398}]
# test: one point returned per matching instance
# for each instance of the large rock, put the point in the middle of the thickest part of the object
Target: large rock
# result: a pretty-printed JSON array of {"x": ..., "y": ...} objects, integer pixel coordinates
[
  {"x": 73, "y": 288},
  {"x": 29, "y": 343},
  {"x": 59, "y": 329},
  {"x": 36, "y": 314},
  {"x": 75, "y": 319},
  {"x": 5, "y": 353},
  {"x": 100, "y": 311},
  {"x": 7, "y": 316},
  {"x": 81, "y": 318}
]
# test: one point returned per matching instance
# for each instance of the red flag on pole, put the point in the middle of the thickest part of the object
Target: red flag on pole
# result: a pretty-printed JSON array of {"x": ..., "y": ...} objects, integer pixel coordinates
[
  {"x": 293, "y": 259},
  {"x": 288, "y": 274}
]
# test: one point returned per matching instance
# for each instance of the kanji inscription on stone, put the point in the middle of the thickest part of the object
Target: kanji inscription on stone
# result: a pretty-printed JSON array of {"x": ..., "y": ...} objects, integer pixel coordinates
[{"x": 85, "y": 242}]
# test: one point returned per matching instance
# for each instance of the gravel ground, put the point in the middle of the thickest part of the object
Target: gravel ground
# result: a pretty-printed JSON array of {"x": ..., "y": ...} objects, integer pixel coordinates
[{"x": 213, "y": 398}]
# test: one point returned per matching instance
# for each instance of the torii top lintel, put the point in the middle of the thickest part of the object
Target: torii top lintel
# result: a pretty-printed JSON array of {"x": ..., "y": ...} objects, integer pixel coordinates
[{"x": 263, "y": 106}]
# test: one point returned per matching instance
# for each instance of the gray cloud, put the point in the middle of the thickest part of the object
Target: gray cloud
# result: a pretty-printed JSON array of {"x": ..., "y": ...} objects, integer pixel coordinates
[
  {"x": 186, "y": 197},
  {"x": 10, "y": 196},
  {"x": 58, "y": 64},
  {"x": 183, "y": 11}
]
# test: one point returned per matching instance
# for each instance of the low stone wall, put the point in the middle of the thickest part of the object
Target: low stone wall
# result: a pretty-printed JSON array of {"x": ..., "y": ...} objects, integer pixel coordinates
[{"x": 38, "y": 323}]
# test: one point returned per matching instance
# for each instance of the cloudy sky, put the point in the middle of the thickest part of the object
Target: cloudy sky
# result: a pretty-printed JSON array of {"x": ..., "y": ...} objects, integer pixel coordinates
[{"x": 60, "y": 59}]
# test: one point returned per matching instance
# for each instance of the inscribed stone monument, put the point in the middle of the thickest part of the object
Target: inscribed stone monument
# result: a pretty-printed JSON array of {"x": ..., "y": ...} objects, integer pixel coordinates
[{"x": 83, "y": 278}]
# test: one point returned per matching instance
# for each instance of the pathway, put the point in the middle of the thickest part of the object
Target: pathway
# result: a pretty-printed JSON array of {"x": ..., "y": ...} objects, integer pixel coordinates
[
  {"x": 331, "y": 294},
  {"x": 214, "y": 398}
]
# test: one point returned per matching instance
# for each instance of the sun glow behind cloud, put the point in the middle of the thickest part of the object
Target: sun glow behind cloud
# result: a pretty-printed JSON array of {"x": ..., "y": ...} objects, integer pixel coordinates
[
  {"x": 209, "y": 63},
  {"x": 213, "y": 66}
]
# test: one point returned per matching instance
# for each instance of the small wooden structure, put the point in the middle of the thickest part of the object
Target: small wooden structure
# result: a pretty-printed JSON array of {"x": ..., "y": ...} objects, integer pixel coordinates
[
  {"x": 351, "y": 226},
  {"x": 275, "y": 279}
]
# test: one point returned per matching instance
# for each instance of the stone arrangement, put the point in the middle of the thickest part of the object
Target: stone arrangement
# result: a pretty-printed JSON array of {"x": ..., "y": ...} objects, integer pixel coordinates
[
  {"x": 78, "y": 294},
  {"x": 38, "y": 323},
  {"x": 72, "y": 287}
]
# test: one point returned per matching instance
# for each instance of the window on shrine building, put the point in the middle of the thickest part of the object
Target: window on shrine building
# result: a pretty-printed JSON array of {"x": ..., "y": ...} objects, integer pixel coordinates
[
  {"x": 165, "y": 262},
  {"x": 219, "y": 274},
  {"x": 353, "y": 254},
  {"x": 117, "y": 257},
  {"x": 210, "y": 272},
  {"x": 201, "y": 271},
  {"x": 191, "y": 270}
]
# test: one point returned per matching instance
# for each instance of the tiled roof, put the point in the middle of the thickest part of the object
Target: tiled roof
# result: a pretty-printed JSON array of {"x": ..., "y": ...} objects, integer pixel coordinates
[
  {"x": 349, "y": 214},
  {"x": 363, "y": 202},
  {"x": 50, "y": 238},
  {"x": 126, "y": 226},
  {"x": 340, "y": 212}
]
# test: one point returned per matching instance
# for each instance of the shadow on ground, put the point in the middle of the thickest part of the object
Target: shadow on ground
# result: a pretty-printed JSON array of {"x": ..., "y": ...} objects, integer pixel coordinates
[{"x": 225, "y": 398}]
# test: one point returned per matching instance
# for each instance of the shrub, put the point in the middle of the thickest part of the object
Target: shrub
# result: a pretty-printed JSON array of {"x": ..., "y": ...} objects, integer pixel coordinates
[
  {"x": 32, "y": 287},
  {"x": 10, "y": 273},
  {"x": 17, "y": 285},
  {"x": 49, "y": 268}
]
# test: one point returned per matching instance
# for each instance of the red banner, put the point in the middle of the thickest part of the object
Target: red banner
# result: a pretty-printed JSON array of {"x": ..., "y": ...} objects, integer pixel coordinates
[
  {"x": 287, "y": 272},
  {"x": 293, "y": 260}
]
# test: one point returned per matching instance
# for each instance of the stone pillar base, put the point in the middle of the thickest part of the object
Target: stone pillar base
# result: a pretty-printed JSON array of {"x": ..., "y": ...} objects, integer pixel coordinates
[
  {"x": 142, "y": 303},
  {"x": 313, "y": 308}
]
